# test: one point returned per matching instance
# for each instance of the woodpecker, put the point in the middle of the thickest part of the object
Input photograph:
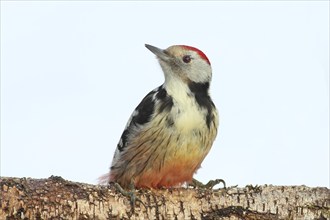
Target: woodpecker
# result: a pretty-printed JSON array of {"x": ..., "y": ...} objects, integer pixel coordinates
[{"x": 173, "y": 128}]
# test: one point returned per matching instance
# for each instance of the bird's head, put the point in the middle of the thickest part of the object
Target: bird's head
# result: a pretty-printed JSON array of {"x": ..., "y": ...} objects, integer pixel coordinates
[{"x": 185, "y": 63}]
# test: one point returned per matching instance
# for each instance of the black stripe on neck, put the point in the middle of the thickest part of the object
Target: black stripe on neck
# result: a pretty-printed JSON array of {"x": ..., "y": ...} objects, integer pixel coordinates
[
  {"x": 199, "y": 88},
  {"x": 203, "y": 99}
]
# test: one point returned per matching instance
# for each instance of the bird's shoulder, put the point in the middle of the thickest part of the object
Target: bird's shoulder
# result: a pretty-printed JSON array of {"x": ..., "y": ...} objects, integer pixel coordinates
[{"x": 152, "y": 104}]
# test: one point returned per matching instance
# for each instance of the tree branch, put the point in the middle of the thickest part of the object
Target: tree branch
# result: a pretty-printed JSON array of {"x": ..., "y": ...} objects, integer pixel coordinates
[{"x": 56, "y": 198}]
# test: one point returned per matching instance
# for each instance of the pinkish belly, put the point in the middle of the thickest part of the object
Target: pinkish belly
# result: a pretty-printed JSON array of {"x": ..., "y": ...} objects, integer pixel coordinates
[{"x": 174, "y": 173}]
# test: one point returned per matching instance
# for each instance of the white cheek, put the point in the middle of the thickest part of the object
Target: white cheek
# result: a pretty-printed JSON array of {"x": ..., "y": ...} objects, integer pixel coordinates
[{"x": 200, "y": 72}]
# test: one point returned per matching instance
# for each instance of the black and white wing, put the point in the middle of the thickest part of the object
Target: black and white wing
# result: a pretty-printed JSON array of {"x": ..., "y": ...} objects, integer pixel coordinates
[
  {"x": 154, "y": 103},
  {"x": 141, "y": 115}
]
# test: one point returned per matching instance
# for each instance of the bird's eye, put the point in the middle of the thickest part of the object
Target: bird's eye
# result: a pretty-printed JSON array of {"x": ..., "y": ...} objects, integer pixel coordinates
[{"x": 186, "y": 58}]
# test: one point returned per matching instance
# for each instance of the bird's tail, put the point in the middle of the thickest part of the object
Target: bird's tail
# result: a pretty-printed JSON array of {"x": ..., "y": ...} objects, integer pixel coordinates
[{"x": 104, "y": 179}]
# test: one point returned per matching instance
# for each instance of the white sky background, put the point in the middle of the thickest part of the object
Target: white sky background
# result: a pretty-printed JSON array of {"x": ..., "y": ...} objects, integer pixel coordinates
[{"x": 73, "y": 72}]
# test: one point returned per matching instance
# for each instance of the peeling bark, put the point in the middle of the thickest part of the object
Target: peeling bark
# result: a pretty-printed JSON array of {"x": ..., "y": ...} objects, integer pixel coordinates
[{"x": 56, "y": 198}]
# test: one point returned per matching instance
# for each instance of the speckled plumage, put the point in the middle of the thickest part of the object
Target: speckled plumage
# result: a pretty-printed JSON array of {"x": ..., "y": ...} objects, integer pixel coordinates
[{"x": 173, "y": 128}]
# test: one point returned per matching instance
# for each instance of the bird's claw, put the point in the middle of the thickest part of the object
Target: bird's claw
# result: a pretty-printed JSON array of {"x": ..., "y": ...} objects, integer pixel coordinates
[
  {"x": 130, "y": 194},
  {"x": 197, "y": 184}
]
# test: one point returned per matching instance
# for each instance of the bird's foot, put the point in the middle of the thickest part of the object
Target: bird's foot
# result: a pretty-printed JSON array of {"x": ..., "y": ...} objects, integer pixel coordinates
[
  {"x": 131, "y": 195},
  {"x": 197, "y": 184}
]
